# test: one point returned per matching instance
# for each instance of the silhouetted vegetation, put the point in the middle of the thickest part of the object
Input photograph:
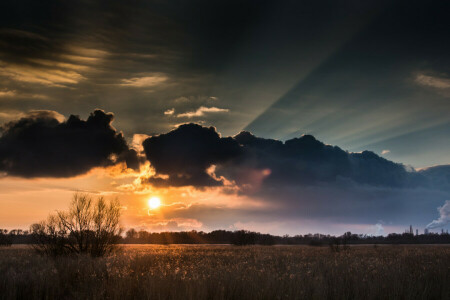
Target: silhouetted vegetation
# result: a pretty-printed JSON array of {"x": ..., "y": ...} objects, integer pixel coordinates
[
  {"x": 5, "y": 238},
  {"x": 243, "y": 237},
  {"x": 88, "y": 227}
]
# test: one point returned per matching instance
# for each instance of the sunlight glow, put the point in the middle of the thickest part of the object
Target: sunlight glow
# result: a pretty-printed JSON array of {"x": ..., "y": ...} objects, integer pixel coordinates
[{"x": 154, "y": 202}]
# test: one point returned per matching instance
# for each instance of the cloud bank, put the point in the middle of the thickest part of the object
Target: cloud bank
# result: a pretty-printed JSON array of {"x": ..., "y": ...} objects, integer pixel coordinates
[
  {"x": 43, "y": 145},
  {"x": 188, "y": 151},
  {"x": 299, "y": 179}
]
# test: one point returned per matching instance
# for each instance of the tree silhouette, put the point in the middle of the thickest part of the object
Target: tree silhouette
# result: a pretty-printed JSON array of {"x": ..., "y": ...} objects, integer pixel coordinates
[{"x": 88, "y": 227}]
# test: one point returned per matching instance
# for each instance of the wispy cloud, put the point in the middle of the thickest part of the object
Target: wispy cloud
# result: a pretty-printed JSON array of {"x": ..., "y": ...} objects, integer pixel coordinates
[
  {"x": 169, "y": 112},
  {"x": 201, "y": 111},
  {"x": 433, "y": 81},
  {"x": 42, "y": 75},
  {"x": 385, "y": 152},
  {"x": 146, "y": 81},
  {"x": 7, "y": 93},
  {"x": 44, "y": 61},
  {"x": 9, "y": 115}
]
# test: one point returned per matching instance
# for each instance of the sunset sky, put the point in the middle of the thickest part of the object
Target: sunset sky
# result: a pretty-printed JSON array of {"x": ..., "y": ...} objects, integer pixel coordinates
[{"x": 285, "y": 117}]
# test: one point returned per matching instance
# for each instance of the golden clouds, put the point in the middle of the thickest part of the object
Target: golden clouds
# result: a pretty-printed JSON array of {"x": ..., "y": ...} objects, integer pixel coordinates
[
  {"x": 201, "y": 111},
  {"x": 63, "y": 66},
  {"x": 57, "y": 77}
]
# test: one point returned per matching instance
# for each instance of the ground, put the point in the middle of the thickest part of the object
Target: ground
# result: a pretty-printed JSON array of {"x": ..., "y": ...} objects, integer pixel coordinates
[{"x": 230, "y": 272}]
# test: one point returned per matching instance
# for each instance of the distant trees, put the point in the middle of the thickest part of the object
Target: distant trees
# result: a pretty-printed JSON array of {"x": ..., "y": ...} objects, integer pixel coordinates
[
  {"x": 238, "y": 238},
  {"x": 92, "y": 226},
  {"x": 131, "y": 233},
  {"x": 244, "y": 237},
  {"x": 88, "y": 227},
  {"x": 5, "y": 238}
]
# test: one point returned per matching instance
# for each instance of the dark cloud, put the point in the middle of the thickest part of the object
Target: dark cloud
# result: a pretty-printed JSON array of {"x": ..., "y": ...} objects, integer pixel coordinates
[
  {"x": 42, "y": 145},
  {"x": 306, "y": 160},
  {"x": 438, "y": 177},
  {"x": 186, "y": 153}
]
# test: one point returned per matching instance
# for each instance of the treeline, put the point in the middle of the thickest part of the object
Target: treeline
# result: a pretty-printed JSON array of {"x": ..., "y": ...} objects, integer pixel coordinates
[{"x": 243, "y": 237}]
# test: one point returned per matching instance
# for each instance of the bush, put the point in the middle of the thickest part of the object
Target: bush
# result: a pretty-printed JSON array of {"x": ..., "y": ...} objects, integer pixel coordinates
[{"x": 88, "y": 227}]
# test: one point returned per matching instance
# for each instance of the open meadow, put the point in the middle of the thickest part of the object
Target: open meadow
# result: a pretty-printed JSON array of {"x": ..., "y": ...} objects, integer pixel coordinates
[{"x": 229, "y": 272}]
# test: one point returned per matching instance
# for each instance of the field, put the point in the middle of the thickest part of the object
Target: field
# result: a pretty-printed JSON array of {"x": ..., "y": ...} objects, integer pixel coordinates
[{"x": 228, "y": 272}]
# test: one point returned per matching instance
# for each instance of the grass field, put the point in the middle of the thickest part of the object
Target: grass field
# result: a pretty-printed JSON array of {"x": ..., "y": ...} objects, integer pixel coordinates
[{"x": 227, "y": 272}]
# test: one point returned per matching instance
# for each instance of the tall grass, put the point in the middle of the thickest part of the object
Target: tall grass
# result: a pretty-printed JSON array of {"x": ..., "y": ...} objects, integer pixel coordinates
[{"x": 227, "y": 272}]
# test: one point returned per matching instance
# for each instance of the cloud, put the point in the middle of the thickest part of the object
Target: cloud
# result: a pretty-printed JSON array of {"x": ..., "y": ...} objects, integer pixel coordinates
[
  {"x": 7, "y": 93},
  {"x": 45, "y": 114},
  {"x": 43, "y": 60},
  {"x": 433, "y": 81},
  {"x": 137, "y": 140},
  {"x": 42, "y": 144},
  {"x": 377, "y": 229},
  {"x": 185, "y": 154},
  {"x": 444, "y": 216},
  {"x": 46, "y": 76},
  {"x": 306, "y": 160},
  {"x": 385, "y": 152},
  {"x": 169, "y": 112},
  {"x": 33, "y": 114},
  {"x": 201, "y": 111},
  {"x": 181, "y": 100},
  {"x": 437, "y": 177},
  {"x": 147, "y": 81}
]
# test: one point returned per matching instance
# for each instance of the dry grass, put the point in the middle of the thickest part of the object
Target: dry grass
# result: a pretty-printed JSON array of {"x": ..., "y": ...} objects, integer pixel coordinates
[{"x": 226, "y": 272}]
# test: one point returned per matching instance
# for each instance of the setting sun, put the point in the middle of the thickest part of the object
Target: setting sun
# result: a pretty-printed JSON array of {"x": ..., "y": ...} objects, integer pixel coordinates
[{"x": 154, "y": 202}]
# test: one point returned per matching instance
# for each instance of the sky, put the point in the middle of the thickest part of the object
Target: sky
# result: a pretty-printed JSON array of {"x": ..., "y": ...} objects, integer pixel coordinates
[{"x": 285, "y": 117}]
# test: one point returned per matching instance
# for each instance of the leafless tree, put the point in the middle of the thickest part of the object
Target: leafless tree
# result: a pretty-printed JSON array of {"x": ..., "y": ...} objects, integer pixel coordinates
[{"x": 88, "y": 227}]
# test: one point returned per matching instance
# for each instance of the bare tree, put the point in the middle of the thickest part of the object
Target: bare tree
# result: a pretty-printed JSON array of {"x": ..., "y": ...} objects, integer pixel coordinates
[{"x": 89, "y": 226}]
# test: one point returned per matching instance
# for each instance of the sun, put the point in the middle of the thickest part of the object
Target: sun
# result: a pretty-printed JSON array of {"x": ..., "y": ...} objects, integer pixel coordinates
[{"x": 154, "y": 202}]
